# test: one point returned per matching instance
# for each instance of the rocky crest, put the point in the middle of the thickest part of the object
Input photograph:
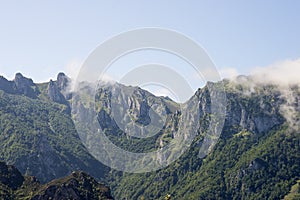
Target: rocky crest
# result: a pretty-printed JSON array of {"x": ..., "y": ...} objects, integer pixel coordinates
[
  {"x": 58, "y": 91},
  {"x": 20, "y": 85},
  {"x": 257, "y": 113},
  {"x": 78, "y": 185},
  {"x": 63, "y": 82},
  {"x": 25, "y": 86},
  {"x": 55, "y": 94}
]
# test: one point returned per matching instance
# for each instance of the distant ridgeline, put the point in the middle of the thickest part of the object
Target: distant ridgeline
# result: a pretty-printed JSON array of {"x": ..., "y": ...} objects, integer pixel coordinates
[
  {"x": 256, "y": 157},
  {"x": 25, "y": 86}
]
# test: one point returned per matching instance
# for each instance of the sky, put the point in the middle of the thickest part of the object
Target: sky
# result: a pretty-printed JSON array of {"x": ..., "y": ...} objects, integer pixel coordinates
[{"x": 41, "y": 38}]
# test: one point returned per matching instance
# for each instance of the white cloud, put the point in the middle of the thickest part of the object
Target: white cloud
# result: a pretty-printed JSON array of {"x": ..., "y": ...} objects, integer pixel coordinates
[
  {"x": 282, "y": 73},
  {"x": 107, "y": 78},
  {"x": 72, "y": 68},
  {"x": 229, "y": 72}
]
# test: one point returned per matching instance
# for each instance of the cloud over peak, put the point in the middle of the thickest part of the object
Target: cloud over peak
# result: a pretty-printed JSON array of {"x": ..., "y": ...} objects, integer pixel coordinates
[{"x": 283, "y": 73}]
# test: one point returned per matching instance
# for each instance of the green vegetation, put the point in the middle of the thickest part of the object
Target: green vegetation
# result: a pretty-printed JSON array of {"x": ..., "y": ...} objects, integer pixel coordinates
[
  {"x": 239, "y": 168},
  {"x": 39, "y": 137},
  {"x": 294, "y": 193}
]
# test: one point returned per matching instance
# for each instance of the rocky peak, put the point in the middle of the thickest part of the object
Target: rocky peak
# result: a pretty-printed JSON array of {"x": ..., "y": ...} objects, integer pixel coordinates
[
  {"x": 25, "y": 86},
  {"x": 54, "y": 93},
  {"x": 62, "y": 81},
  {"x": 22, "y": 81},
  {"x": 18, "y": 75}
]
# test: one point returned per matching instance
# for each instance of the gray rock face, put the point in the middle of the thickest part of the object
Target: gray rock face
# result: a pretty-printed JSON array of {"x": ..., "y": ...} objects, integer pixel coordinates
[
  {"x": 25, "y": 86},
  {"x": 59, "y": 90},
  {"x": 132, "y": 109},
  {"x": 63, "y": 82},
  {"x": 20, "y": 85},
  {"x": 5, "y": 85},
  {"x": 55, "y": 94},
  {"x": 257, "y": 113}
]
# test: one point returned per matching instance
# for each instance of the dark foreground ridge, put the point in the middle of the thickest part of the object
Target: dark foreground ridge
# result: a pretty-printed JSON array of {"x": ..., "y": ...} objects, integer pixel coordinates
[{"x": 78, "y": 185}]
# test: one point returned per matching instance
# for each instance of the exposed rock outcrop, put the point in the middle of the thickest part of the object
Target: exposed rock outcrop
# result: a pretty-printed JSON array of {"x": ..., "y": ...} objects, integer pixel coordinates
[
  {"x": 59, "y": 90},
  {"x": 55, "y": 94},
  {"x": 20, "y": 85},
  {"x": 78, "y": 185},
  {"x": 23, "y": 85},
  {"x": 62, "y": 81},
  {"x": 5, "y": 85}
]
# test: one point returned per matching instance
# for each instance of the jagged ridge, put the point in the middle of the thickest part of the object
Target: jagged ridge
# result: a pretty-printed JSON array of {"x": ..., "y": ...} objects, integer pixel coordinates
[{"x": 78, "y": 185}]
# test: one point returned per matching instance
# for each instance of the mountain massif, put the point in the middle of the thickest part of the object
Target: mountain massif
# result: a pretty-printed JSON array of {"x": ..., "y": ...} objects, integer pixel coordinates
[{"x": 257, "y": 155}]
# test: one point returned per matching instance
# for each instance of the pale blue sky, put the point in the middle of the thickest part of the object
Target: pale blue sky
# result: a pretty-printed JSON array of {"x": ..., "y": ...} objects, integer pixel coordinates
[{"x": 40, "y": 38}]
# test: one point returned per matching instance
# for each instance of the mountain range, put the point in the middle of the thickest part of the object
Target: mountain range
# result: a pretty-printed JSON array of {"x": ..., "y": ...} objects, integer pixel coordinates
[{"x": 256, "y": 155}]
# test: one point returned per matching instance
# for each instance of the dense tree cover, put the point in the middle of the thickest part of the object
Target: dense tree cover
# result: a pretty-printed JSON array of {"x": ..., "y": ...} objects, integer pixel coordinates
[
  {"x": 242, "y": 167},
  {"x": 39, "y": 137}
]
